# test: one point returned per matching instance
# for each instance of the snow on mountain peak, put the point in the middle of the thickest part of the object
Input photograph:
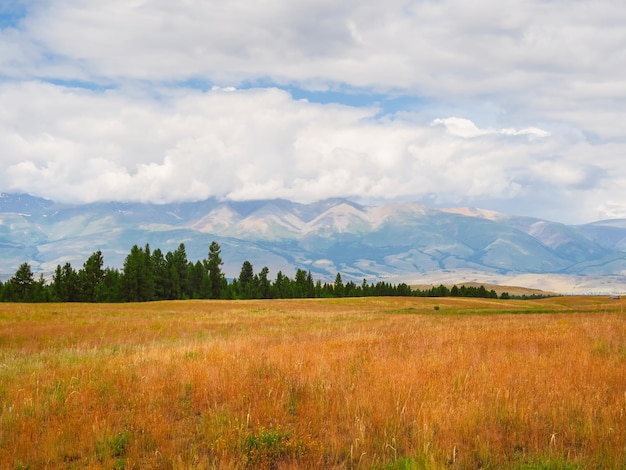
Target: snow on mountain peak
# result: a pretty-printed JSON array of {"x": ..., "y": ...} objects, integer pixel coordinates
[
  {"x": 339, "y": 218},
  {"x": 475, "y": 212},
  {"x": 379, "y": 215},
  {"x": 216, "y": 221}
]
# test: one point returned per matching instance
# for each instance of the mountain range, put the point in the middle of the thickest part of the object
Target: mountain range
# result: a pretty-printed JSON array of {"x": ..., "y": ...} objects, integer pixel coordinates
[{"x": 397, "y": 242}]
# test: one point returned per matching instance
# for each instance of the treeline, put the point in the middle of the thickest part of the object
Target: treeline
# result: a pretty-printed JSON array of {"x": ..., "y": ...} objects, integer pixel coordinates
[{"x": 151, "y": 275}]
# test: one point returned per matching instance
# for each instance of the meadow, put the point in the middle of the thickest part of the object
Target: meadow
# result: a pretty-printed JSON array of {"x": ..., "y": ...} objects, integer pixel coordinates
[{"x": 384, "y": 383}]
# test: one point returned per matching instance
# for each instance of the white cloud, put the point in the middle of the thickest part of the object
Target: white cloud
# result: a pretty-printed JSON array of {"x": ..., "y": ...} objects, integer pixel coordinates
[
  {"x": 449, "y": 46},
  {"x": 261, "y": 143},
  {"x": 519, "y": 104},
  {"x": 460, "y": 127}
]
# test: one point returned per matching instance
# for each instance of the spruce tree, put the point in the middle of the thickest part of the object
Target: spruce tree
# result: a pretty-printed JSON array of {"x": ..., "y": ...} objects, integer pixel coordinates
[
  {"x": 65, "y": 284},
  {"x": 214, "y": 266},
  {"x": 161, "y": 275},
  {"x": 21, "y": 285},
  {"x": 339, "y": 288},
  {"x": 246, "y": 280},
  {"x": 264, "y": 284},
  {"x": 91, "y": 276}
]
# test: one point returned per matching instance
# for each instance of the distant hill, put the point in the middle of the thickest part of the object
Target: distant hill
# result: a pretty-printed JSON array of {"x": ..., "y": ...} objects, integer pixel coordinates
[
  {"x": 405, "y": 242},
  {"x": 499, "y": 289}
]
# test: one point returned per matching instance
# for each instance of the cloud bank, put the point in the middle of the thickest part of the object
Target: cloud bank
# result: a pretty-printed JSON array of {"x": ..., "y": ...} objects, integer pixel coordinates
[{"x": 515, "y": 107}]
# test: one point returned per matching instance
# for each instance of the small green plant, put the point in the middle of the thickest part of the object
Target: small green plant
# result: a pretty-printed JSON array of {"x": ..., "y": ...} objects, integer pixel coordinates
[
  {"x": 119, "y": 443},
  {"x": 263, "y": 448},
  {"x": 185, "y": 399},
  {"x": 405, "y": 463},
  {"x": 115, "y": 446}
]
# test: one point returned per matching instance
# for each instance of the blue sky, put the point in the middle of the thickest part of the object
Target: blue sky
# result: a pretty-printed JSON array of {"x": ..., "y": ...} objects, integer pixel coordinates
[
  {"x": 511, "y": 106},
  {"x": 11, "y": 12}
]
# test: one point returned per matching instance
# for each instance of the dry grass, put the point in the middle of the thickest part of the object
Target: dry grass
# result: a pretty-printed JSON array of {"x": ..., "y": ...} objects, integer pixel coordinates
[{"x": 350, "y": 383}]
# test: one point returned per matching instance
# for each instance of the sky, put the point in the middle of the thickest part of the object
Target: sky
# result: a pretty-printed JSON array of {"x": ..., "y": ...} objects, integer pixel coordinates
[{"x": 517, "y": 106}]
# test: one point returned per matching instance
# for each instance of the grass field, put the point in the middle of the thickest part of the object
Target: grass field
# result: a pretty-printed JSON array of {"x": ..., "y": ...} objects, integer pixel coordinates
[{"x": 386, "y": 383}]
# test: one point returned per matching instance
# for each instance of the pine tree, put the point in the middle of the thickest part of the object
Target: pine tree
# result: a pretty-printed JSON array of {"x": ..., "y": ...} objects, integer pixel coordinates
[
  {"x": 264, "y": 283},
  {"x": 246, "y": 280},
  {"x": 300, "y": 284},
  {"x": 65, "y": 284},
  {"x": 214, "y": 266},
  {"x": 310, "y": 286},
  {"x": 90, "y": 277},
  {"x": 161, "y": 275},
  {"x": 282, "y": 287},
  {"x": 110, "y": 289},
  {"x": 339, "y": 287},
  {"x": 21, "y": 286},
  {"x": 179, "y": 263},
  {"x": 198, "y": 281},
  {"x": 138, "y": 277}
]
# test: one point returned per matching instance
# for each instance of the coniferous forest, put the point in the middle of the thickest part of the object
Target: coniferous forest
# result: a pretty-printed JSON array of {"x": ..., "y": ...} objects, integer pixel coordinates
[{"x": 151, "y": 275}]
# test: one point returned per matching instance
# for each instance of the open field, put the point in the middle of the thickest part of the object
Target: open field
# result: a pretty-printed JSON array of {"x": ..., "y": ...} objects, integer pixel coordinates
[{"x": 385, "y": 383}]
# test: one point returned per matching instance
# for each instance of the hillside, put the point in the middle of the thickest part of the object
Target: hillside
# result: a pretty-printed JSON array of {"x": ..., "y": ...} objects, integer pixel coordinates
[
  {"x": 498, "y": 288},
  {"x": 405, "y": 242}
]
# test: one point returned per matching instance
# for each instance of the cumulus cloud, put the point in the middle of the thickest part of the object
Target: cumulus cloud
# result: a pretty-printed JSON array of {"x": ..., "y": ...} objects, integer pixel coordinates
[
  {"x": 517, "y": 105},
  {"x": 462, "y": 127},
  {"x": 73, "y": 144}
]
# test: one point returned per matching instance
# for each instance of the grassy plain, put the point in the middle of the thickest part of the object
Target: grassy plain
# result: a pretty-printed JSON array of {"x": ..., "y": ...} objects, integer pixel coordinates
[{"x": 387, "y": 383}]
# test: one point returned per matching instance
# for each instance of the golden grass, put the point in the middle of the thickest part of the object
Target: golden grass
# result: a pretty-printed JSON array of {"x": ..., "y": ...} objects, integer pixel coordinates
[{"x": 347, "y": 383}]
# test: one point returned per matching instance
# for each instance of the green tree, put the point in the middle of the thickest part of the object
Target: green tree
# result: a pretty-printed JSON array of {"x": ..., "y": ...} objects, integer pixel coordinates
[
  {"x": 91, "y": 276},
  {"x": 282, "y": 287},
  {"x": 264, "y": 283},
  {"x": 339, "y": 287},
  {"x": 300, "y": 284},
  {"x": 148, "y": 275},
  {"x": 319, "y": 289},
  {"x": 350, "y": 289},
  {"x": 138, "y": 276},
  {"x": 310, "y": 286},
  {"x": 21, "y": 287},
  {"x": 110, "y": 289},
  {"x": 482, "y": 292},
  {"x": 39, "y": 292},
  {"x": 365, "y": 288},
  {"x": 246, "y": 280},
  {"x": 214, "y": 267},
  {"x": 161, "y": 275},
  {"x": 404, "y": 290},
  {"x": 65, "y": 284},
  {"x": 172, "y": 288},
  {"x": 198, "y": 279},
  {"x": 179, "y": 263}
]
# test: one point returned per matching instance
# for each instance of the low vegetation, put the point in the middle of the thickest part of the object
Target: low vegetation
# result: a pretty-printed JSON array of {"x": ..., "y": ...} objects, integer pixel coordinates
[{"x": 384, "y": 383}]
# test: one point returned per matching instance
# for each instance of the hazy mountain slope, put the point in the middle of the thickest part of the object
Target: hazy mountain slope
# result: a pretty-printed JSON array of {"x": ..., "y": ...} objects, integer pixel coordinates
[
  {"x": 401, "y": 241},
  {"x": 610, "y": 234}
]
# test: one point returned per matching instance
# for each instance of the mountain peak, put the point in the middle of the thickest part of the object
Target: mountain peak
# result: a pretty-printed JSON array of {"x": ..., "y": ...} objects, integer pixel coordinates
[
  {"x": 397, "y": 241},
  {"x": 476, "y": 212},
  {"x": 23, "y": 203}
]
